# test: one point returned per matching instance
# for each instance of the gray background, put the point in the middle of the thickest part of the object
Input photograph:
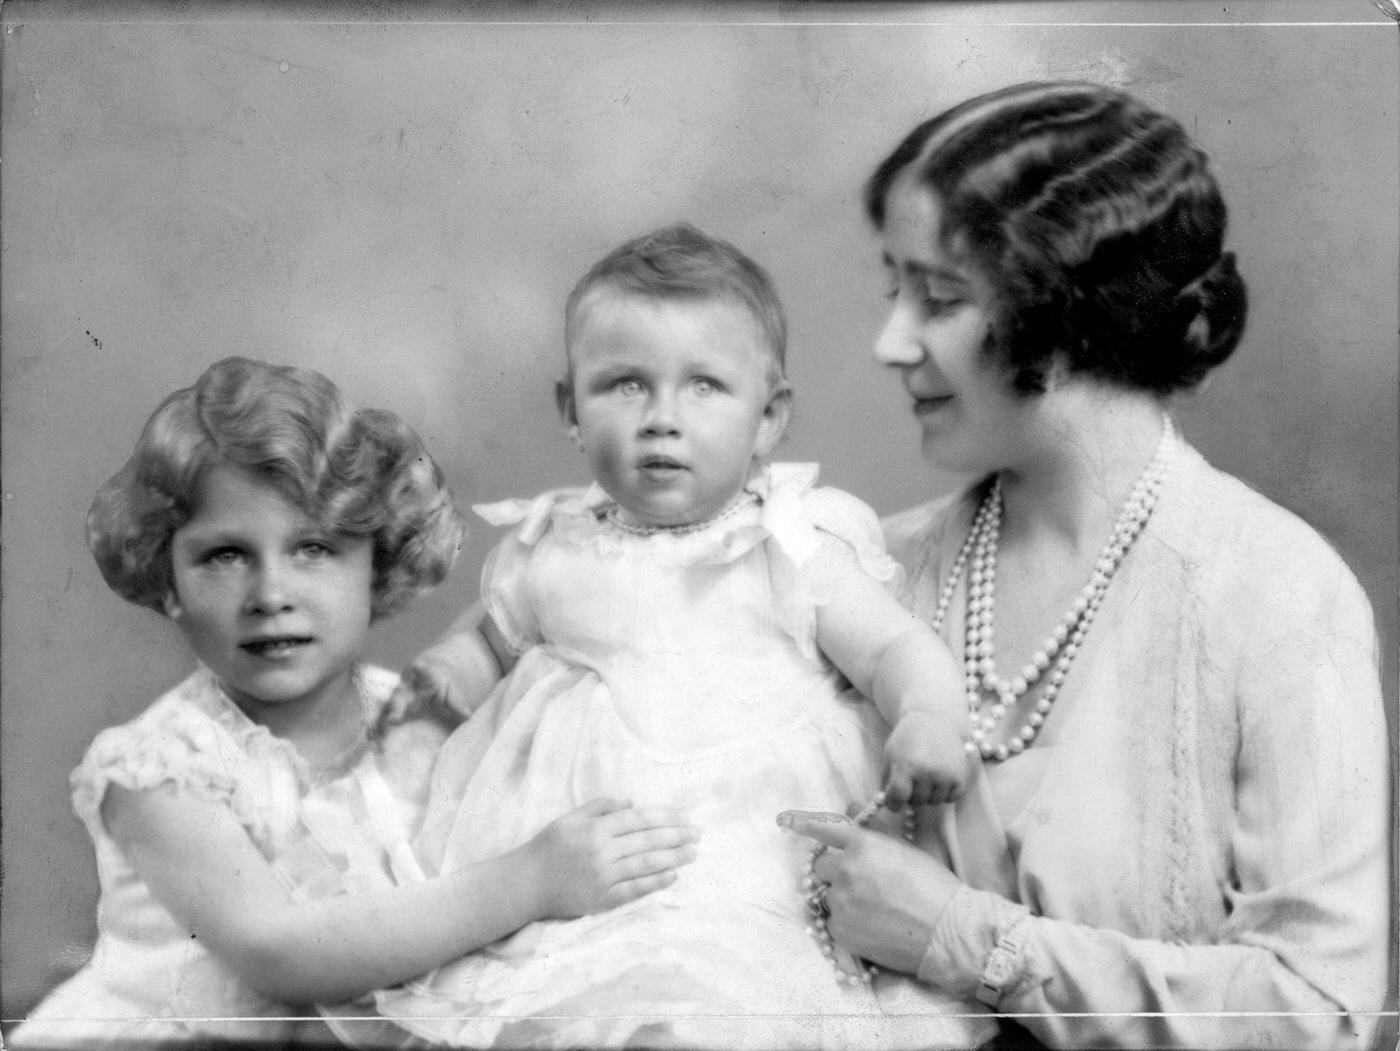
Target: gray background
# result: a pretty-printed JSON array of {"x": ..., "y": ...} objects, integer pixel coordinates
[{"x": 404, "y": 205}]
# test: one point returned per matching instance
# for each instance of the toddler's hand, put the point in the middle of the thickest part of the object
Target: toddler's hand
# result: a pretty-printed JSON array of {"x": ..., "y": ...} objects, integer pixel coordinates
[
  {"x": 422, "y": 692},
  {"x": 607, "y": 853},
  {"x": 926, "y": 761}
]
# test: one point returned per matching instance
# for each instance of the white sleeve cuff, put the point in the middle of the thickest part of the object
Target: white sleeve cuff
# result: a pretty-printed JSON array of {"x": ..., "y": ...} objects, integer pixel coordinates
[{"x": 979, "y": 948}]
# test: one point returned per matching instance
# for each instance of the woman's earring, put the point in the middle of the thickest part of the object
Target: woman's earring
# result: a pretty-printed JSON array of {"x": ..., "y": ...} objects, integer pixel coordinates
[
  {"x": 171, "y": 604},
  {"x": 576, "y": 436}
]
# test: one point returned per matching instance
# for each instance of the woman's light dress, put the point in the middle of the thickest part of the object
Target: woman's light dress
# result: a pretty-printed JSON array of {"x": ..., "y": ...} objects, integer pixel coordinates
[
  {"x": 324, "y": 832},
  {"x": 671, "y": 669},
  {"x": 1194, "y": 853}
]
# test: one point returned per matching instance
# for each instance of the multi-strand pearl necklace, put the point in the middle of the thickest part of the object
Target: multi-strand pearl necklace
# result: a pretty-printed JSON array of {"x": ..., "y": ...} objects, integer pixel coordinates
[
  {"x": 1055, "y": 655},
  {"x": 636, "y": 529}
]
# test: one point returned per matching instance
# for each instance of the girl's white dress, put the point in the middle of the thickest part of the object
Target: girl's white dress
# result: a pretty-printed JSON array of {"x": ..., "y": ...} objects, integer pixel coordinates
[
  {"x": 671, "y": 669},
  {"x": 324, "y": 832}
]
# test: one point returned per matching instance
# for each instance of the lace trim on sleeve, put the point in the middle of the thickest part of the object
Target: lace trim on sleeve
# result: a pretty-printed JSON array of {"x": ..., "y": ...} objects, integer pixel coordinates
[
  {"x": 981, "y": 947},
  {"x": 178, "y": 742}
]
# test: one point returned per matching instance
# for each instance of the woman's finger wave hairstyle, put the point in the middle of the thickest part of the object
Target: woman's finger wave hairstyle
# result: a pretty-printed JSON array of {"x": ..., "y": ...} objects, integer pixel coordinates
[{"x": 1096, "y": 220}]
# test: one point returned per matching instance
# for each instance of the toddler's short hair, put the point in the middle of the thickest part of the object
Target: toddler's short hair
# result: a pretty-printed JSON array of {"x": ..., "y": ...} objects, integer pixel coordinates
[
  {"x": 358, "y": 472},
  {"x": 680, "y": 262}
]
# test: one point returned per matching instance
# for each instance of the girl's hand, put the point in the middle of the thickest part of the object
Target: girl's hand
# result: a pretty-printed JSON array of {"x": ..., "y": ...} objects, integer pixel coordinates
[
  {"x": 885, "y": 896},
  {"x": 607, "y": 853},
  {"x": 926, "y": 761}
]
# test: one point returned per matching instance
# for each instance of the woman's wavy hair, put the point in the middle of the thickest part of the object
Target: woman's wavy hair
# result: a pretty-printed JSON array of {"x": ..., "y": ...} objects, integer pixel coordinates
[
  {"x": 1097, "y": 222},
  {"x": 357, "y": 472}
]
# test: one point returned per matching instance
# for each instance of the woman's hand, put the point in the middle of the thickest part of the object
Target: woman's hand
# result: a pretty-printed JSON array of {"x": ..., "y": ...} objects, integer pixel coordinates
[
  {"x": 606, "y": 853},
  {"x": 885, "y": 896}
]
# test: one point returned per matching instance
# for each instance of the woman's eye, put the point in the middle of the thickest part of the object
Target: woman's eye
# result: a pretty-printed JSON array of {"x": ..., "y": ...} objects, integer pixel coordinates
[
  {"x": 223, "y": 556},
  {"x": 934, "y": 305},
  {"x": 316, "y": 549}
]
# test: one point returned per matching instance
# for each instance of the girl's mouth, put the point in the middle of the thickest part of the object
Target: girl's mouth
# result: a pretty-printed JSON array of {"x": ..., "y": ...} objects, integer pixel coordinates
[{"x": 276, "y": 648}]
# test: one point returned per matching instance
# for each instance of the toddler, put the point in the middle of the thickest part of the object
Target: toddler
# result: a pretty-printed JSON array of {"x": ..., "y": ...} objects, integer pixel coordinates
[
  {"x": 251, "y": 832},
  {"x": 685, "y": 632}
]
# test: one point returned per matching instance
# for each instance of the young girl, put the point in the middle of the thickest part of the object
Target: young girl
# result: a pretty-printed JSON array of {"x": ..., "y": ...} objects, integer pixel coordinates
[
  {"x": 679, "y": 633},
  {"x": 250, "y": 835}
]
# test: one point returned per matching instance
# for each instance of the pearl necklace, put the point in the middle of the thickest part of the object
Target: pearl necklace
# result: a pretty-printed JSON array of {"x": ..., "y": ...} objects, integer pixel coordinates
[
  {"x": 736, "y": 505},
  {"x": 860, "y": 973},
  {"x": 1058, "y": 650},
  {"x": 1056, "y": 654}
]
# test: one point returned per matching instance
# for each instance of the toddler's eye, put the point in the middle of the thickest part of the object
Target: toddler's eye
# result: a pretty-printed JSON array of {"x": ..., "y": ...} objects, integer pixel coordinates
[
  {"x": 706, "y": 387},
  {"x": 629, "y": 388}
]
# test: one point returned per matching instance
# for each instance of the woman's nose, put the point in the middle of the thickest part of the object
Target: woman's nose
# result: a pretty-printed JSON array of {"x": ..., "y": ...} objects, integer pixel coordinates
[
  {"x": 269, "y": 588},
  {"x": 898, "y": 342}
]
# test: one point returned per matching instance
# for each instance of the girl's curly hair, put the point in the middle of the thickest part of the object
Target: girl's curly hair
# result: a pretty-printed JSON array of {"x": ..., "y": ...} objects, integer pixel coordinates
[{"x": 358, "y": 472}]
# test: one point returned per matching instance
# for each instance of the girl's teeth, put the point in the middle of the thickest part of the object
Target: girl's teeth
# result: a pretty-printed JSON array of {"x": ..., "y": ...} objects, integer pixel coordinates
[{"x": 276, "y": 648}]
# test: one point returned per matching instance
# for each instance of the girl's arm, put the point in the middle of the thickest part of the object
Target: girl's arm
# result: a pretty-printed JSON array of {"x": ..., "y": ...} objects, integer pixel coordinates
[
  {"x": 897, "y": 661},
  {"x": 200, "y": 863}
]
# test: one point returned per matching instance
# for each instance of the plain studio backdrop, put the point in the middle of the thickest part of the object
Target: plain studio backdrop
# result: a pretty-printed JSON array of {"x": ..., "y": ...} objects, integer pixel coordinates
[{"x": 401, "y": 196}]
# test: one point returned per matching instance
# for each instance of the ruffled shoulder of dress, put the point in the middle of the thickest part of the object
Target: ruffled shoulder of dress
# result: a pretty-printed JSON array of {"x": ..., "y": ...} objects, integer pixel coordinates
[
  {"x": 791, "y": 510},
  {"x": 571, "y": 512},
  {"x": 796, "y": 510},
  {"x": 195, "y": 739}
]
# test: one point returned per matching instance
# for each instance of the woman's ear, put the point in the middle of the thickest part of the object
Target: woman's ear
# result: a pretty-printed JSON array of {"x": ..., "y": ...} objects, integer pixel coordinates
[
  {"x": 564, "y": 398},
  {"x": 775, "y": 420}
]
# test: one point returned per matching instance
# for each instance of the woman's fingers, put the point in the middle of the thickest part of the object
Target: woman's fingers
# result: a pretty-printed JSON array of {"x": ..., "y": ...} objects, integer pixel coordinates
[{"x": 834, "y": 830}]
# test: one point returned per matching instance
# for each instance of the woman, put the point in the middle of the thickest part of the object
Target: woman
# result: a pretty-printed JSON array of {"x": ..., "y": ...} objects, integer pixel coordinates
[{"x": 1178, "y": 837}]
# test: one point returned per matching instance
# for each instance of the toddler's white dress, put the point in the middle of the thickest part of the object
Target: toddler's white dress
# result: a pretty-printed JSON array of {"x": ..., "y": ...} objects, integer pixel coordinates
[
  {"x": 324, "y": 832},
  {"x": 677, "y": 668}
]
